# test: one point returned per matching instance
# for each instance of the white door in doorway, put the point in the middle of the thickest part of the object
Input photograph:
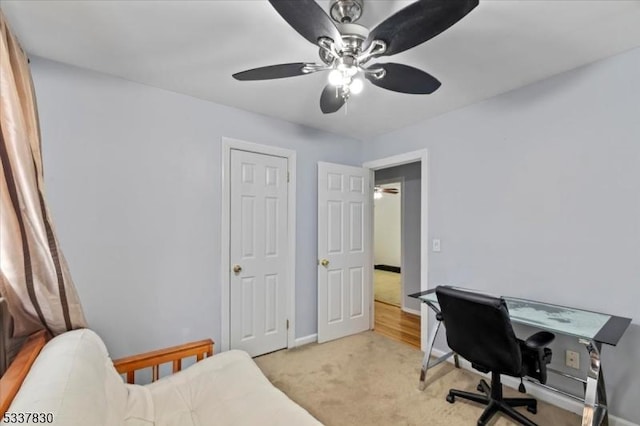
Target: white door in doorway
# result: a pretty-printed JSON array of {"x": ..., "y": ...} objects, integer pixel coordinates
[
  {"x": 344, "y": 251},
  {"x": 258, "y": 252}
]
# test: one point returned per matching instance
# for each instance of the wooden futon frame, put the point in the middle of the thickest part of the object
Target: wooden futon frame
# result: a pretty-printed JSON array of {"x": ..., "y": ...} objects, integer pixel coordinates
[{"x": 11, "y": 381}]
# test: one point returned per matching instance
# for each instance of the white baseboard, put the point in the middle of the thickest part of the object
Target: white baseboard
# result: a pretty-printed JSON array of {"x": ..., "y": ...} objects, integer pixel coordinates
[
  {"x": 617, "y": 421},
  {"x": 539, "y": 392},
  {"x": 306, "y": 340},
  {"x": 412, "y": 311}
]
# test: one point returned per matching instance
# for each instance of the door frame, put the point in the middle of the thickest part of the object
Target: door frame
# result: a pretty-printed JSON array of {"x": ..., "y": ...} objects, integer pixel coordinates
[
  {"x": 225, "y": 233},
  {"x": 399, "y": 180},
  {"x": 421, "y": 155}
]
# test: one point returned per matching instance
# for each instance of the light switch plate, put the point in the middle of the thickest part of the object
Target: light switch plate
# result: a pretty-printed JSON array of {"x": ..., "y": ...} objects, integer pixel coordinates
[{"x": 436, "y": 245}]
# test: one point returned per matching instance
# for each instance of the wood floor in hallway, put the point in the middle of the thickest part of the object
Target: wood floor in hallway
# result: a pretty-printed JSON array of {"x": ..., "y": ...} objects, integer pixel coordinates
[{"x": 393, "y": 322}]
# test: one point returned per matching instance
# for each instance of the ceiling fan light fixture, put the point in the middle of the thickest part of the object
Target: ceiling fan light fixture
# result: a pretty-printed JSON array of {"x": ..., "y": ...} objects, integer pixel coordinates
[
  {"x": 349, "y": 70},
  {"x": 356, "y": 86},
  {"x": 335, "y": 77},
  {"x": 341, "y": 78},
  {"x": 348, "y": 64}
]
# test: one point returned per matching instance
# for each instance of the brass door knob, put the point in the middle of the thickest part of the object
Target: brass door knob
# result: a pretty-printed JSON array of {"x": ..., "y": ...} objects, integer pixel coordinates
[
  {"x": 237, "y": 268},
  {"x": 324, "y": 262}
]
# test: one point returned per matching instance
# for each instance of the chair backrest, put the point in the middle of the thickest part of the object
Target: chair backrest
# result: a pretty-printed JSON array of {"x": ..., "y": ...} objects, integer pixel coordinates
[{"x": 479, "y": 329}]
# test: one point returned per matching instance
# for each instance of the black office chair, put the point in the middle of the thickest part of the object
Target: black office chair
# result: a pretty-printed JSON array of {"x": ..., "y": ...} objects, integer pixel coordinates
[{"x": 479, "y": 329}]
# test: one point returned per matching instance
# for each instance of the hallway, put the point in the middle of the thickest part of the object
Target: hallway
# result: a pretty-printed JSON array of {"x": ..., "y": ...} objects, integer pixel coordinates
[{"x": 392, "y": 322}]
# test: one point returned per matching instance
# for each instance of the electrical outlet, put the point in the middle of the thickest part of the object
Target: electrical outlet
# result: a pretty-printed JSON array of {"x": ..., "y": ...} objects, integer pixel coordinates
[{"x": 572, "y": 359}]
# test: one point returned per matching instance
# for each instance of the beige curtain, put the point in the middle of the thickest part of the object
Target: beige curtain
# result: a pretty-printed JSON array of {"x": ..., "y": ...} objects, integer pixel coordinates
[{"x": 34, "y": 278}]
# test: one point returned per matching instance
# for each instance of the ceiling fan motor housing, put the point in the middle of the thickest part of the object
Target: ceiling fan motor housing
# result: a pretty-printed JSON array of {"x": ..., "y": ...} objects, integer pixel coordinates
[
  {"x": 353, "y": 35},
  {"x": 346, "y": 11}
]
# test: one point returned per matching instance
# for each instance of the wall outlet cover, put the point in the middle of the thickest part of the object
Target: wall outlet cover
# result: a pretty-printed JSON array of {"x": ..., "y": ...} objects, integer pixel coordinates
[{"x": 572, "y": 359}]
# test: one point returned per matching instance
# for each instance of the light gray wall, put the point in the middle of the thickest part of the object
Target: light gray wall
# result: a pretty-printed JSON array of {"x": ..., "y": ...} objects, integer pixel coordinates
[
  {"x": 536, "y": 193},
  {"x": 133, "y": 182},
  {"x": 411, "y": 193}
]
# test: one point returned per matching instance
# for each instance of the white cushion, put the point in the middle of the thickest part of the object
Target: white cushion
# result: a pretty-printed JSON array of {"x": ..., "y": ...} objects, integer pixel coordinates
[
  {"x": 226, "y": 389},
  {"x": 73, "y": 378}
]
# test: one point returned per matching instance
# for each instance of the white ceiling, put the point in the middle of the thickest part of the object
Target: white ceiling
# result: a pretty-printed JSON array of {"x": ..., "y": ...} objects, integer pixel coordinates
[{"x": 193, "y": 47}]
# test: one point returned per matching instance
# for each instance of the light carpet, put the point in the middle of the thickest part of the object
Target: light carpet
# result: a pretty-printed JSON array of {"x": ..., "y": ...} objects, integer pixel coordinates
[
  {"x": 386, "y": 287},
  {"x": 368, "y": 379}
]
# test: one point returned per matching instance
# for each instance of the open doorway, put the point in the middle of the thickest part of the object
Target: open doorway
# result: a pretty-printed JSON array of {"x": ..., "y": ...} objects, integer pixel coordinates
[
  {"x": 387, "y": 236},
  {"x": 397, "y": 251}
]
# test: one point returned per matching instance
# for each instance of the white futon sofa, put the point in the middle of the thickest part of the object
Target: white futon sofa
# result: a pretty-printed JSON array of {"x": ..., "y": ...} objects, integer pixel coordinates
[{"x": 74, "y": 379}]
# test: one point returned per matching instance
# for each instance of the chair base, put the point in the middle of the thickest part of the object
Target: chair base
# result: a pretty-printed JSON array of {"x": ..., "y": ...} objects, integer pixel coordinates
[{"x": 494, "y": 401}]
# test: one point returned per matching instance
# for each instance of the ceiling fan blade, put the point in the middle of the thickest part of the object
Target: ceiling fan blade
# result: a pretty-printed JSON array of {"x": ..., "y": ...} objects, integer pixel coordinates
[
  {"x": 418, "y": 22},
  {"x": 308, "y": 19},
  {"x": 404, "y": 79},
  {"x": 331, "y": 100},
  {"x": 385, "y": 189},
  {"x": 273, "y": 71}
]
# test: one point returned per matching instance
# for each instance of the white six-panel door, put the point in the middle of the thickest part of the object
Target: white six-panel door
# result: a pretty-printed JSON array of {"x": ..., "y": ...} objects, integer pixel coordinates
[
  {"x": 258, "y": 252},
  {"x": 344, "y": 259}
]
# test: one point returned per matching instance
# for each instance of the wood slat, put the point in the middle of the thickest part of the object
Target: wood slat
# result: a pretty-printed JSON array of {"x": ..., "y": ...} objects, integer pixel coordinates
[
  {"x": 12, "y": 379},
  {"x": 393, "y": 322},
  {"x": 155, "y": 373}
]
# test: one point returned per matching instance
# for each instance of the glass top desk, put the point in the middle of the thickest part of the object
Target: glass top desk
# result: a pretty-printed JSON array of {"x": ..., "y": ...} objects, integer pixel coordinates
[{"x": 592, "y": 329}]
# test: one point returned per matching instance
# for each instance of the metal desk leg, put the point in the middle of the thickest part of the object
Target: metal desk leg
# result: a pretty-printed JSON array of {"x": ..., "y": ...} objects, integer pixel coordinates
[
  {"x": 427, "y": 355},
  {"x": 602, "y": 397},
  {"x": 595, "y": 398},
  {"x": 426, "y": 364}
]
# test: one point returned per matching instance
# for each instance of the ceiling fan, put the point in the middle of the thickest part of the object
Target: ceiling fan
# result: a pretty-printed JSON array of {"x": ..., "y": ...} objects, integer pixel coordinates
[
  {"x": 345, "y": 47},
  {"x": 379, "y": 190}
]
